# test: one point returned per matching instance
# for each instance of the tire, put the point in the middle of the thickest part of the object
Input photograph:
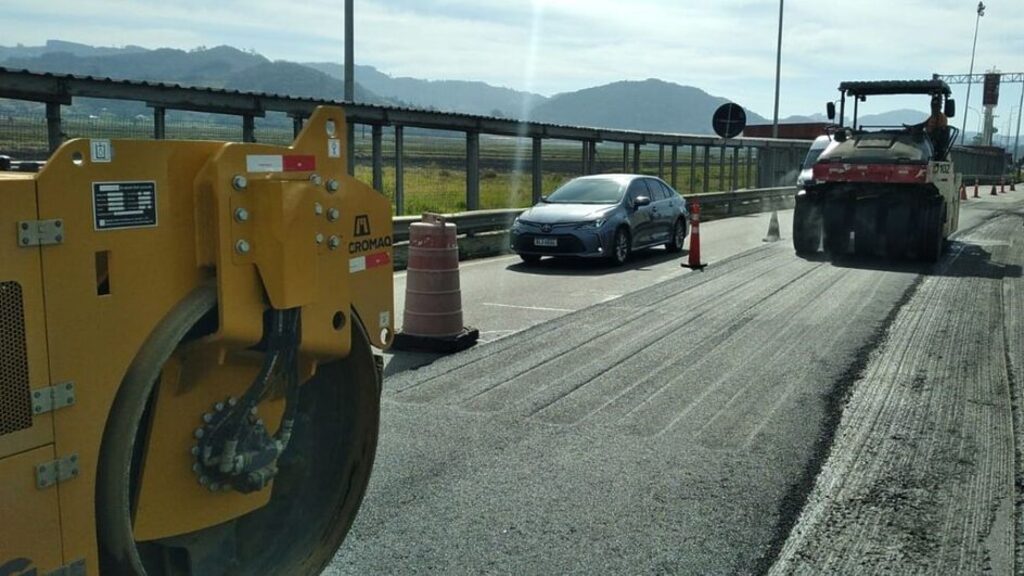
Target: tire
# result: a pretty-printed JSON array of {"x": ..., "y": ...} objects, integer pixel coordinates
[
  {"x": 678, "y": 237},
  {"x": 865, "y": 228},
  {"x": 806, "y": 227},
  {"x": 315, "y": 496},
  {"x": 837, "y": 232},
  {"x": 897, "y": 229},
  {"x": 530, "y": 258},
  {"x": 621, "y": 248},
  {"x": 932, "y": 240}
]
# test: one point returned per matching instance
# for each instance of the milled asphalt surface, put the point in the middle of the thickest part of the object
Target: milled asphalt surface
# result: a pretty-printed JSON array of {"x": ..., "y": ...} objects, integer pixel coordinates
[{"x": 677, "y": 429}]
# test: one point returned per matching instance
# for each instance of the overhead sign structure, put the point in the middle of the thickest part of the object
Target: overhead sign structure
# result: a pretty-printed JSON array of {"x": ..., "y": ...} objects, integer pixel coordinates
[{"x": 729, "y": 120}]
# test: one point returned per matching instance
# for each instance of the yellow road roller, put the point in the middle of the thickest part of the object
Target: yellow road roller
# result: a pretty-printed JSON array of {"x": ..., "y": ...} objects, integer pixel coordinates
[{"x": 188, "y": 382}]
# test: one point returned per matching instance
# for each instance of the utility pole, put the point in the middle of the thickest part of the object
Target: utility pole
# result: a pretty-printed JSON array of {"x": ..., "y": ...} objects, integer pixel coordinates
[
  {"x": 778, "y": 69},
  {"x": 350, "y": 81},
  {"x": 970, "y": 75}
]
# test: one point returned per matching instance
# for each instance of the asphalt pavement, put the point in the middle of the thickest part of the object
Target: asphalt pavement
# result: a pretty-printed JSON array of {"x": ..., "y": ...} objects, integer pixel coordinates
[{"x": 655, "y": 420}]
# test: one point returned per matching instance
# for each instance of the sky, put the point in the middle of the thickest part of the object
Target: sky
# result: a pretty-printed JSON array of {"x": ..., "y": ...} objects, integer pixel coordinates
[{"x": 725, "y": 47}]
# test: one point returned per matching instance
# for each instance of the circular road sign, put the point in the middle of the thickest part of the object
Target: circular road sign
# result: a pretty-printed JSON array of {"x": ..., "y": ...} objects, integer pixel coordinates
[{"x": 729, "y": 120}]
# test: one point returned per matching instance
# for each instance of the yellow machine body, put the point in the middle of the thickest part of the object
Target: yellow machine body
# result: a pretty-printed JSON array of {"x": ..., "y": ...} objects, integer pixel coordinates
[{"x": 126, "y": 230}]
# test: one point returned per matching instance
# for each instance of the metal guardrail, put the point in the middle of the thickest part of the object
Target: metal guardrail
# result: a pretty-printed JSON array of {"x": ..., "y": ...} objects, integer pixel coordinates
[{"x": 713, "y": 205}]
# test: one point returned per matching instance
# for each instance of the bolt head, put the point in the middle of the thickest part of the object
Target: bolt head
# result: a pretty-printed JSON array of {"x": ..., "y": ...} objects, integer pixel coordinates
[
  {"x": 232, "y": 401},
  {"x": 219, "y": 406},
  {"x": 203, "y": 480},
  {"x": 239, "y": 182},
  {"x": 199, "y": 433},
  {"x": 24, "y": 225},
  {"x": 333, "y": 185},
  {"x": 207, "y": 417},
  {"x": 241, "y": 215},
  {"x": 316, "y": 179},
  {"x": 333, "y": 214},
  {"x": 195, "y": 452},
  {"x": 319, "y": 238},
  {"x": 334, "y": 242},
  {"x": 318, "y": 208},
  {"x": 242, "y": 246}
]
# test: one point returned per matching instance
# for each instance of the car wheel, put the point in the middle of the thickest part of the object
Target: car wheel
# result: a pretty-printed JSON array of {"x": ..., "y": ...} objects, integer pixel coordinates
[
  {"x": 675, "y": 243},
  {"x": 530, "y": 258},
  {"x": 621, "y": 247}
]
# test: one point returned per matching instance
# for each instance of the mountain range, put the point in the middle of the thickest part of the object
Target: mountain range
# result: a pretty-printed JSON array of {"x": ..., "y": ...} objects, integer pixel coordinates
[{"x": 666, "y": 106}]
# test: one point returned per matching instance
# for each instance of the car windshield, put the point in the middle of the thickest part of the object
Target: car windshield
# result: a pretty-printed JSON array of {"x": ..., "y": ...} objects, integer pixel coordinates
[{"x": 587, "y": 191}]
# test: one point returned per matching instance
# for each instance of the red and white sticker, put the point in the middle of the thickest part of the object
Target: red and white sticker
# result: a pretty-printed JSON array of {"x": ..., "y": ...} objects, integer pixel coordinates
[
  {"x": 360, "y": 263},
  {"x": 280, "y": 162}
]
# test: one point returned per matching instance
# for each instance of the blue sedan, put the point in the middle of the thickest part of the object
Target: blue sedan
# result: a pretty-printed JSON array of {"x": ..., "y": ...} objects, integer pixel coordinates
[{"x": 604, "y": 216}]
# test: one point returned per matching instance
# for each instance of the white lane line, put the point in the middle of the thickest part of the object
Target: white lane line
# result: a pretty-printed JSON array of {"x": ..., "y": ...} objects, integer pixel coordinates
[{"x": 541, "y": 308}]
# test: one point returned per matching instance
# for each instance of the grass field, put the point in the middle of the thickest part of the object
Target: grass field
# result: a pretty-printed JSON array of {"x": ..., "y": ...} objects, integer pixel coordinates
[{"x": 434, "y": 162}]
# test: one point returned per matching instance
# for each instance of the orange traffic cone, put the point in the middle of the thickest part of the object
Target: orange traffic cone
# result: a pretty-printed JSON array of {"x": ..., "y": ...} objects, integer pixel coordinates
[
  {"x": 963, "y": 191},
  {"x": 693, "y": 262},
  {"x": 976, "y": 188},
  {"x": 433, "y": 296}
]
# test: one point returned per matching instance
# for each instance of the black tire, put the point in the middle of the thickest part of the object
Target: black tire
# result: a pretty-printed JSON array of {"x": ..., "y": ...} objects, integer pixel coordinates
[
  {"x": 897, "y": 229},
  {"x": 315, "y": 496},
  {"x": 806, "y": 227},
  {"x": 622, "y": 246},
  {"x": 865, "y": 228},
  {"x": 677, "y": 238},
  {"x": 530, "y": 258},
  {"x": 932, "y": 241},
  {"x": 837, "y": 231}
]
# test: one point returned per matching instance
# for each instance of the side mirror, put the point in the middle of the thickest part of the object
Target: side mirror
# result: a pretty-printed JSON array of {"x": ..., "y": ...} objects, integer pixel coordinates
[
  {"x": 544, "y": 198},
  {"x": 840, "y": 136},
  {"x": 830, "y": 110},
  {"x": 640, "y": 201},
  {"x": 950, "y": 108}
]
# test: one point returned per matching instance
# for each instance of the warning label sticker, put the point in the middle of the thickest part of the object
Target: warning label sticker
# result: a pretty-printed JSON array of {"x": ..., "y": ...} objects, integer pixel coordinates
[{"x": 123, "y": 205}]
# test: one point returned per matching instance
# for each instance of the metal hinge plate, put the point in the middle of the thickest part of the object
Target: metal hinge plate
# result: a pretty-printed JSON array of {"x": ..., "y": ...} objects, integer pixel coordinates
[
  {"x": 40, "y": 232},
  {"x": 76, "y": 568},
  {"x": 53, "y": 397},
  {"x": 56, "y": 471}
]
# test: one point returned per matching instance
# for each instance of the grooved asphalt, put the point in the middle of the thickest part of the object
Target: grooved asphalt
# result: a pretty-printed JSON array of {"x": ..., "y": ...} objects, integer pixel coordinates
[{"x": 675, "y": 430}]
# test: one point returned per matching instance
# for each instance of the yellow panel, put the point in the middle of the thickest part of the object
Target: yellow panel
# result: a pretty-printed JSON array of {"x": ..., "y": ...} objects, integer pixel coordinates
[
  {"x": 23, "y": 265},
  {"x": 30, "y": 529},
  {"x": 171, "y": 500}
]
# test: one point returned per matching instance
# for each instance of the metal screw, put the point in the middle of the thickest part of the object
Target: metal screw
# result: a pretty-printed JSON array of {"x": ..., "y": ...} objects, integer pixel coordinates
[
  {"x": 318, "y": 208},
  {"x": 58, "y": 223},
  {"x": 333, "y": 185},
  {"x": 24, "y": 225},
  {"x": 199, "y": 433},
  {"x": 241, "y": 214},
  {"x": 24, "y": 241},
  {"x": 253, "y": 411},
  {"x": 219, "y": 406},
  {"x": 319, "y": 238},
  {"x": 207, "y": 417},
  {"x": 333, "y": 214},
  {"x": 242, "y": 247},
  {"x": 58, "y": 238},
  {"x": 334, "y": 242},
  {"x": 316, "y": 179},
  {"x": 239, "y": 182},
  {"x": 232, "y": 401},
  {"x": 35, "y": 394}
]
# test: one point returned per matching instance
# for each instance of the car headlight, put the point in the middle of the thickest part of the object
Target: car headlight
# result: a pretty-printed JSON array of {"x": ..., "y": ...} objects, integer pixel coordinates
[
  {"x": 593, "y": 224},
  {"x": 516, "y": 223}
]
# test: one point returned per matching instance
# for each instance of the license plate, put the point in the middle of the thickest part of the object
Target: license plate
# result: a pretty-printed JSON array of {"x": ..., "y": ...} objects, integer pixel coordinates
[{"x": 545, "y": 241}]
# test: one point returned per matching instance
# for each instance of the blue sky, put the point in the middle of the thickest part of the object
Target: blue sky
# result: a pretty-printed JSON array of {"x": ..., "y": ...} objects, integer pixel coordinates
[{"x": 726, "y": 47}]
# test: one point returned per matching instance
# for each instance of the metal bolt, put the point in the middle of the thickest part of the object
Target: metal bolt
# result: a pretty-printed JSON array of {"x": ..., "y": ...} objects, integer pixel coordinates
[
  {"x": 58, "y": 223},
  {"x": 318, "y": 208},
  {"x": 203, "y": 480},
  {"x": 58, "y": 238},
  {"x": 333, "y": 214},
  {"x": 239, "y": 182},
  {"x": 69, "y": 386},
  {"x": 36, "y": 394},
  {"x": 241, "y": 214},
  {"x": 199, "y": 433},
  {"x": 260, "y": 422},
  {"x": 316, "y": 179},
  {"x": 319, "y": 238},
  {"x": 214, "y": 487},
  {"x": 253, "y": 411},
  {"x": 74, "y": 458},
  {"x": 24, "y": 225},
  {"x": 196, "y": 467},
  {"x": 24, "y": 241},
  {"x": 219, "y": 406},
  {"x": 232, "y": 401},
  {"x": 333, "y": 185},
  {"x": 334, "y": 242},
  {"x": 242, "y": 246},
  {"x": 207, "y": 417},
  {"x": 195, "y": 452}
]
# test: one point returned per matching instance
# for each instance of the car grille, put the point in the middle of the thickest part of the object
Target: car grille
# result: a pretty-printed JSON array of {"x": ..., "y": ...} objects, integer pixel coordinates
[{"x": 567, "y": 244}]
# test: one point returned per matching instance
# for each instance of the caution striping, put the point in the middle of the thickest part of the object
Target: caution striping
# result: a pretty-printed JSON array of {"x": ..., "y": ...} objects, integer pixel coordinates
[
  {"x": 360, "y": 263},
  {"x": 280, "y": 162}
]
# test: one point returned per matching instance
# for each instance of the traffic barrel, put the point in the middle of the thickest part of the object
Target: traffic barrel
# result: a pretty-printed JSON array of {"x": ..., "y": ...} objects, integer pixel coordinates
[
  {"x": 432, "y": 320},
  {"x": 963, "y": 191},
  {"x": 693, "y": 262},
  {"x": 773, "y": 228},
  {"x": 976, "y": 188}
]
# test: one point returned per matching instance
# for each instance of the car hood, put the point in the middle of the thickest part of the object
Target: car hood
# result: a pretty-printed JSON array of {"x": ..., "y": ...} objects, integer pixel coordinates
[{"x": 557, "y": 213}]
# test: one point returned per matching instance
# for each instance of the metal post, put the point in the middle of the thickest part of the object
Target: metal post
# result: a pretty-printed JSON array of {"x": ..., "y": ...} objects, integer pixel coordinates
[
  {"x": 746, "y": 181},
  {"x": 970, "y": 74},
  {"x": 159, "y": 123},
  {"x": 693, "y": 169},
  {"x": 707, "y": 167},
  {"x": 661, "y": 161},
  {"x": 722, "y": 182},
  {"x": 584, "y": 165},
  {"x": 625, "y": 156},
  {"x": 54, "y": 135},
  {"x": 592, "y": 161},
  {"x": 537, "y": 169},
  {"x": 1016, "y": 139},
  {"x": 378, "y": 157},
  {"x": 350, "y": 150},
  {"x": 472, "y": 171},
  {"x": 399, "y": 172},
  {"x": 248, "y": 128},
  {"x": 675, "y": 163},
  {"x": 778, "y": 69},
  {"x": 735, "y": 171},
  {"x": 636, "y": 158},
  {"x": 297, "y": 125}
]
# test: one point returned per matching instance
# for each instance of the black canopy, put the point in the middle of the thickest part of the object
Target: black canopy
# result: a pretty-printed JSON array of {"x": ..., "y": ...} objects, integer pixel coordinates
[{"x": 895, "y": 87}]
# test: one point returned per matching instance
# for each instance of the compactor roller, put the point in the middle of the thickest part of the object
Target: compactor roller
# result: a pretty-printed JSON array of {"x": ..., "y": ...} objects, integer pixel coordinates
[
  {"x": 188, "y": 383},
  {"x": 888, "y": 192}
]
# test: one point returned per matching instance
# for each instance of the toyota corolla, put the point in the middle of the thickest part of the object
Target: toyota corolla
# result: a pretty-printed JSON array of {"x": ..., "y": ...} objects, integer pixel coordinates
[{"x": 603, "y": 216}]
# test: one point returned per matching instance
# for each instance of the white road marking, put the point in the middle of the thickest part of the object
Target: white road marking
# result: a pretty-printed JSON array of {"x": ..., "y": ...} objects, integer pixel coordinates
[{"x": 541, "y": 308}]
